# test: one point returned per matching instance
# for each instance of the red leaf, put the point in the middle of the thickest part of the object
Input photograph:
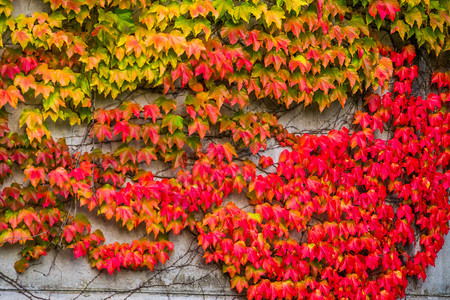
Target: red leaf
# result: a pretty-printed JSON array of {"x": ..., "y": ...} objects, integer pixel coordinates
[
  {"x": 34, "y": 175},
  {"x": 123, "y": 128},
  {"x": 124, "y": 213},
  {"x": 362, "y": 118},
  {"x": 319, "y": 8},
  {"x": 383, "y": 8},
  {"x": 59, "y": 177},
  {"x": 409, "y": 53},
  {"x": 129, "y": 108},
  {"x": 9, "y": 70},
  {"x": 28, "y": 63},
  {"x": 265, "y": 161},
  {"x": 79, "y": 249},
  {"x": 150, "y": 131},
  {"x": 198, "y": 125},
  {"x": 146, "y": 154},
  {"x": 151, "y": 110},
  {"x": 102, "y": 130},
  {"x": 212, "y": 111},
  {"x": 183, "y": 71},
  {"x": 442, "y": 79}
]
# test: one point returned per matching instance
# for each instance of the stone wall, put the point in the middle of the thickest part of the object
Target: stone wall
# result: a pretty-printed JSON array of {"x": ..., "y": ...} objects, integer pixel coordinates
[{"x": 185, "y": 275}]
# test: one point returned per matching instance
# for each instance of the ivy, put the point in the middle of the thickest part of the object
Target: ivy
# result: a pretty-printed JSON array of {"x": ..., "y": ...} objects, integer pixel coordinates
[{"x": 342, "y": 215}]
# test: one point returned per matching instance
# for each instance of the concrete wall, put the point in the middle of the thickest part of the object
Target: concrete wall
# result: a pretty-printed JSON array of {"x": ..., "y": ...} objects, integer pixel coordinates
[{"x": 185, "y": 275}]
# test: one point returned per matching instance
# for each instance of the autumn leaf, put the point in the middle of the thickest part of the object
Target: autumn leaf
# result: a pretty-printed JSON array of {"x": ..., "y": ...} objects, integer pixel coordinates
[
  {"x": 184, "y": 72},
  {"x": 146, "y": 154},
  {"x": 198, "y": 125},
  {"x": 102, "y": 130},
  {"x": 166, "y": 104},
  {"x": 239, "y": 282},
  {"x": 265, "y": 161},
  {"x": 34, "y": 175},
  {"x": 152, "y": 110},
  {"x": 25, "y": 82},
  {"x": 383, "y": 8},
  {"x": 172, "y": 122},
  {"x": 59, "y": 177},
  {"x": 274, "y": 15}
]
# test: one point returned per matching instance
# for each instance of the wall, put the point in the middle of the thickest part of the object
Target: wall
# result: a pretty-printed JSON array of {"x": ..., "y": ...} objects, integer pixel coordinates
[{"x": 185, "y": 276}]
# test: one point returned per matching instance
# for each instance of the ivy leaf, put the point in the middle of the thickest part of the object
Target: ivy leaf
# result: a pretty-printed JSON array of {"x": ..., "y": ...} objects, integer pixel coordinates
[
  {"x": 198, "y": 125},
  {"x": 233, "y": 32},
  {"x": 25, "y": 82},
  {"x": 9, "y": 70},
  {"x": 81, "y": 223},
  {"x": 146, "y": 154},
  {"x": 34, "y": 175},
  {"x": 265, "y": 161},
  {"x": 177, "y": 157},
  {"x": 21, "y": 265},
  {"x": 23, "y": 37},
  {"x": 194, "y": 142},
  {"x": 274, "y": 15},
  {"x": 295, "y": 5},
  {"x": 223, "y": 6},
  {"x": 125, "y": 154},
  {"x": 373, "y": 101},
  {"x": 400, "y": 27},
  {"x": 413, "y": 15},
  {"x": 383, "y": 8},
  {"x": 184, "y": 72},
  {"x": 123, "y": 128},
  {"x": 301, "y": 62},
  {"x": 150, "y": 131},
  {"x": 323, "y": 83},
  {"x": 239, "y": 282},
  {"x": 129, "y": 108},
  {"x": 124, "y": 20},
  {"x": 59, "y": 177},
  {"x": 53, "y": 102},
  {"x": 166, "y": 104},
  {"x": 124, "y": 213},
  {"x": 242, "y": 12},
  {"x": 362, "y": 118},
  {"x": 177, "y": 138},
  {"x": 212, "y": 111},
  {"x": 30, "y": 117},
  {"x": 172, "y": 122},
  {"x": 50, "y": 215},
  {"x": 152, "y": 110},
  {"x": 319, "y": 8},
  {"x": 101, "y": 131}
]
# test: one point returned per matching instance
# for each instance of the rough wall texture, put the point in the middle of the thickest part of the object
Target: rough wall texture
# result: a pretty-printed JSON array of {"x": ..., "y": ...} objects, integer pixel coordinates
[{"x": 185, "y": 276}]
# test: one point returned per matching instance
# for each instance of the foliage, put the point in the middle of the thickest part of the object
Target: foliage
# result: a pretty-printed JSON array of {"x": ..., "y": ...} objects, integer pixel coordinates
[{"x": 344, "y": 215}]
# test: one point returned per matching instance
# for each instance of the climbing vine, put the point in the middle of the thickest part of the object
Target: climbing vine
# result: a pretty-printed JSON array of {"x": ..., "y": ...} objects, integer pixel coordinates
[{"x": 351, "y": 214}]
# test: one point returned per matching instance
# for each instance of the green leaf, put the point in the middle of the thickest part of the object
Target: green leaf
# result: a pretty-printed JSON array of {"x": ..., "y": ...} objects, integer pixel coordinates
[
  {"x": 242, "y": 12},
  {"x": 172, "y": 122},
  {"x": 30, "y": 117},
  {"x": 166, "y": 104},
  {"x": 186, "y": 25},
  {"x": 223, "y": 6},
  {"x": 194, "y": 142},
  {"x": 125, "y": 20},
  {"x": 413, "y": 15},
  {"x": 177, "y": 138},
  {"x": 53, "y": 102},
  {"x": 295, "y": 5}
]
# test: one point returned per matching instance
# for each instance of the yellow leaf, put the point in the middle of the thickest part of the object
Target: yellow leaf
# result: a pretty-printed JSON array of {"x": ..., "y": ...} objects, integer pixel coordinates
[{"x": 274, "y": 15}]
